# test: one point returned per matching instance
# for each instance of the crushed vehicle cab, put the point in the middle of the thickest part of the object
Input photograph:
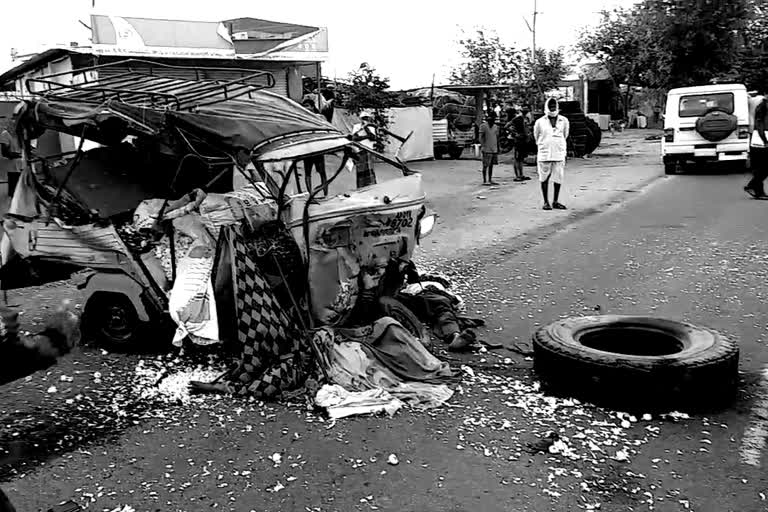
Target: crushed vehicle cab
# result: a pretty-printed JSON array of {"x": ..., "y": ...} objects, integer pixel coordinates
[
  {"x": 706, "y": 123},
  {"x": 143, "y": 215}
]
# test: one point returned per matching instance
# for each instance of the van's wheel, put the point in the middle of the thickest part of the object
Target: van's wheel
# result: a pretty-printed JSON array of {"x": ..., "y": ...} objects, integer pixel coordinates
[
  {"x": 456, "y": 152},
  {"x": 393, "y": 308},
  {"x": 111, "y": 320}
]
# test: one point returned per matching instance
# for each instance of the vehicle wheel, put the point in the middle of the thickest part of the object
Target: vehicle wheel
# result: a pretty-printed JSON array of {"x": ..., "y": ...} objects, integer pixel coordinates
[
  {"x": 716, "y": 125},
  {"x": 5, "y": 503},
  {"x": 671, "y": 168},
  {"x": 456, "y": 152},
  {"x": 630, "y": 360},
  {"x": 438, "y": 153},
  {"x": 394, "y": 308},
  {"x": 109, "y": 319},
  {"x": 596, "y": 136}
]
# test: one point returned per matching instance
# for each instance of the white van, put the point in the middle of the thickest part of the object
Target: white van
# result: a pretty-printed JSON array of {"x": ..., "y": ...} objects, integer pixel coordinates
[{"x": 706, "y": 122}]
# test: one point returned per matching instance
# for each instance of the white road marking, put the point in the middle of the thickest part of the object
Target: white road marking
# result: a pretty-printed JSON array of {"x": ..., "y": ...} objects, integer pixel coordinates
[{"x": 755, "y": 437}]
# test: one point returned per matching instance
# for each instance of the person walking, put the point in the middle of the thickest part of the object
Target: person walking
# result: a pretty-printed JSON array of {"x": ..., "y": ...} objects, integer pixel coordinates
[
  {"x": 758, "y": 153},
  {"x": 489, "y": 145},
  {"x": 551, "y": 133}
]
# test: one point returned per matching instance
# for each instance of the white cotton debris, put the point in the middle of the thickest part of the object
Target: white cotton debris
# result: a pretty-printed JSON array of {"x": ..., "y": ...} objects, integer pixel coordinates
[
  {"x": 277, "y": 487},
  {"x": 340, "y": 403},
  {"x": 276, "y": 458},
  {"x": 621, "y": 456},
  {"x": 676, "y": 416},
  {"x": 169, "y": 385},
  {"x": 52, "y": 389},
  {"x": 392, "y": 460}
]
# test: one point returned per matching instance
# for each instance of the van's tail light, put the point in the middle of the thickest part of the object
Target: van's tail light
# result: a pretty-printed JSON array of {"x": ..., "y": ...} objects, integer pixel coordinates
[
  {"x": 743, "y": 132},
  {"x": 669, "y": 135}
]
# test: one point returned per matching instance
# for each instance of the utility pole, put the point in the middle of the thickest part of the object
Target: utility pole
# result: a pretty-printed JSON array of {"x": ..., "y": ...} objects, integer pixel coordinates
[
  {"x": 533, "y": 31},
  {"x": 532, "y": 28}
]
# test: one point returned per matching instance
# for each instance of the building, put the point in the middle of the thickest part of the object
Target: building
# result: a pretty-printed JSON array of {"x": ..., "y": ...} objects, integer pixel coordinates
[
  {"x": 216, "y": 50},
  {"x": 593, "y": 87}
]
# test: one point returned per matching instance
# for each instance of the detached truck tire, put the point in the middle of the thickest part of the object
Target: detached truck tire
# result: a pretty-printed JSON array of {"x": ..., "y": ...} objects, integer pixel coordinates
[{"x": 634, "y": 361}]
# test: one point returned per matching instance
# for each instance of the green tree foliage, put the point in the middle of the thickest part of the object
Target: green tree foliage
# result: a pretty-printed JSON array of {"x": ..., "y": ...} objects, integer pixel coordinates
[
  {"x": 752, "y": 57},
  {"x": 488, "y": 61},
  {"x": 369, "y": 91},
  {"x": 671, "y": 43}
]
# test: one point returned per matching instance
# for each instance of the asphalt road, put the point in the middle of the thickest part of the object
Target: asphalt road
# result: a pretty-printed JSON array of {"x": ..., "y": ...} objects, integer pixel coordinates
[{"x": 688, "y": 247}]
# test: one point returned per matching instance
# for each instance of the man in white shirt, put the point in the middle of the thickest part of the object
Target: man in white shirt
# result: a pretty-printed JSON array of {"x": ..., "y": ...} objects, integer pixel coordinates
[
  {"x": 551, "y": 132},
  {"x": 758, "y": 153}
]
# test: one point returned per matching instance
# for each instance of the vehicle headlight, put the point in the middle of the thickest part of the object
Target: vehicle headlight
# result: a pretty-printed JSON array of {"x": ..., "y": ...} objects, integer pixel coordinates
[{"x": 426, "y": 225}]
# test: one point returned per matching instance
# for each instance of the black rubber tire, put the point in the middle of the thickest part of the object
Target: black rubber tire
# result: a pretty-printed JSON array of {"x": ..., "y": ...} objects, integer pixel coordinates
[
  {"x": 716, "y": 125},
  {"x": 391, "y": 307},
  {"x": 456, "y": 152},
  {"x": 596, "y": 136},
  {"x": 670, "y": 168},
  {"x": 703, "y": 373},
  {"x": 136, "y": 336},
  {"x": 569, "y": 107},
  {"x": 5, "y": 503}
]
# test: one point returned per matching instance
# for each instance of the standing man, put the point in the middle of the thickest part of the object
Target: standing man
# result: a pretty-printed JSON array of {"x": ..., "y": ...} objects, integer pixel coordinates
[
  {"x": 317, "y": 161},
  {"x": 551, "y": 132},
  {"x": 758, "y": 153},
  {"x": 519, "y": 130},
  {"x": 489, "y": 145},
  {"x": 366, "y": 132}
]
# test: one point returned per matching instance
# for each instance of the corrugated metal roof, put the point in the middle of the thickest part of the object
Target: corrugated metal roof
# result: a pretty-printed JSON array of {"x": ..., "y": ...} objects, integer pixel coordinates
[{"x": 32, "y": 63}]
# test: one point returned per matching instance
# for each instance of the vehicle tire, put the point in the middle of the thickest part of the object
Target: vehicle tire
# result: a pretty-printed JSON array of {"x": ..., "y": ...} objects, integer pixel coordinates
[
  {"x": 455, "y": 152},
  {"x": 631, "y": 360},
  {"x": 110, "y": 320},
  {"x": 716, "y": 125},
  {"x": 391, "y": 307},
  {"x": 438, "y": 153},
  {"x": 596, "y": 136},
  {"x": 671, "y": 168},
  {"x": 5, "y": 503},
  {"x": 569, "y": 107}
]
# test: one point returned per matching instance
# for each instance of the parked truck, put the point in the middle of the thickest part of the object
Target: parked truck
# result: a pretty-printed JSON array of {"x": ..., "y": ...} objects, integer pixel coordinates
[{"x": 449, "y": 140}]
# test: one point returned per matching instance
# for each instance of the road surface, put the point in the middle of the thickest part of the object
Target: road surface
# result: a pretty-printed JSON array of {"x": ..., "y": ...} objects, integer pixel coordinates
[{"x": 687, "y": 247}]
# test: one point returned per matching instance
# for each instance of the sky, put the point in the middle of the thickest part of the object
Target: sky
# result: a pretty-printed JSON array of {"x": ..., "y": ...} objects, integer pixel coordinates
[{"x": 407, "y": 41}]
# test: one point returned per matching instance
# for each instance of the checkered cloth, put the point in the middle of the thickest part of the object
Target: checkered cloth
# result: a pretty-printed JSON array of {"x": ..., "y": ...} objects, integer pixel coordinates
[{"x": 274, "y": 356}]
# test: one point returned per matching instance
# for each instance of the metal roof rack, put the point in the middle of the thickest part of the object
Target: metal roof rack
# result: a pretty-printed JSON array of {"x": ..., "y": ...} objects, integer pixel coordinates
[{"x": 142, "y": 85}]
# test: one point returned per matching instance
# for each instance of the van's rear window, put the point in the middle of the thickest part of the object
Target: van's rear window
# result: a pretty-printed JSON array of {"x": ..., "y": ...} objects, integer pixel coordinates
[{"x": 698, "y": 105}]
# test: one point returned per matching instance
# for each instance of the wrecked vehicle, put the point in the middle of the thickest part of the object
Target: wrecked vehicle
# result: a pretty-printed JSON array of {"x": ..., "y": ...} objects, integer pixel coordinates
[{"x": 145, "y": 216}]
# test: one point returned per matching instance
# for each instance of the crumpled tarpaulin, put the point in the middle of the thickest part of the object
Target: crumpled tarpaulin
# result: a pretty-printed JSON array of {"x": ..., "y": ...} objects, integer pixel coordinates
[
  {"x": 341, "y": 403},
  {"x": 385, "y": 356}
]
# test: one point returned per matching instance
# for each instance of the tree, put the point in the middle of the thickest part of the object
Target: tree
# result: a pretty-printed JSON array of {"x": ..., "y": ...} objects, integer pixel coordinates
[
  {"x": 487, "y": 61},
  {"x": 752, "y": 58},
  {"x": 543, "y": 75},
  {"x": 668, "y": 43},
  {"x": 369, "y": 91}
]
